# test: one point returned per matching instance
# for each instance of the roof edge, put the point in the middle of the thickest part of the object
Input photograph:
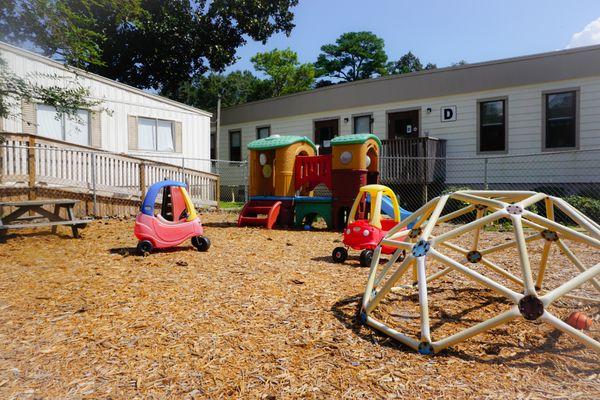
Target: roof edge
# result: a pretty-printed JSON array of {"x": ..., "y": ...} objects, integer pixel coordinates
[{"x": 417, "y": 73}]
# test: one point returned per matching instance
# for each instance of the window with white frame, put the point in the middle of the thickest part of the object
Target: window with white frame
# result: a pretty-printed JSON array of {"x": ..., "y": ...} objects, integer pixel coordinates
[
  {"x": 362, "y": 124},
  {"x": 155, "y": 134},
  {"x": 70, "y": 128}
]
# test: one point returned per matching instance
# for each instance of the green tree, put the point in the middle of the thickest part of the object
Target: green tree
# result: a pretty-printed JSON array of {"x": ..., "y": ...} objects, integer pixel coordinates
[
  {"x": 407, "y": 63},
  {"x": 235, "y": 88},
  {"x": 66, "y": 30},
  {"x": 146, "y": 43},
  {"x": 459, "y": 63},
  {"x": 285, "y": 73},
  {"x": 354, "y": 56}
]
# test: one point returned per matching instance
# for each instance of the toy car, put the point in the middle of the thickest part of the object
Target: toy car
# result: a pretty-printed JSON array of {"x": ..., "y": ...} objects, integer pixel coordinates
[
  {"x": 364, "y": 233},
  {"x": 176, "y": 222}
]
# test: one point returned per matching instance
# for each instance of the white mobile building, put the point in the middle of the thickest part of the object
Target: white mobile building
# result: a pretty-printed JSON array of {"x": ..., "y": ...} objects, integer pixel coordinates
[{"x": 136, "y": 122}]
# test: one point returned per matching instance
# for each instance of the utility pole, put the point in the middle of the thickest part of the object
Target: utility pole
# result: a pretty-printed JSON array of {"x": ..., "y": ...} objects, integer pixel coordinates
[{"x": 218, "y": 132}]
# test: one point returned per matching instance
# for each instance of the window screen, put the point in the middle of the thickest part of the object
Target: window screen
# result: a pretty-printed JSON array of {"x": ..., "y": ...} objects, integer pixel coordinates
[
  {"x": 263, "y": 132},
  {"x": 492, "y": 126},
  {"x": 164, "y": 136},
  {"x": 561, "y": 128},
  {"x": 72, "y": 129},
  {"x": 146, "y": 134},
  {"x": 235, "y": 146},
  {"x": 362, "y": 124}
]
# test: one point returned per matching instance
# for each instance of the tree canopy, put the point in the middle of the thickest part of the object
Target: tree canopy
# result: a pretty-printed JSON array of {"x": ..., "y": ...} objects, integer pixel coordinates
[
  {"x": 145, "y": 43},
  {"x": 235, "y": 88},
  {"x": 285, "y": 73},
  {"x": 407, "y": 63},
  {"x": 354, "y": 56}
]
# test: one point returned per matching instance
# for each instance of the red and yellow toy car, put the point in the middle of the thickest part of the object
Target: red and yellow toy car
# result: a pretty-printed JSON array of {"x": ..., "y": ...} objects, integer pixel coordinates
[{"x": 366, "y": 226}]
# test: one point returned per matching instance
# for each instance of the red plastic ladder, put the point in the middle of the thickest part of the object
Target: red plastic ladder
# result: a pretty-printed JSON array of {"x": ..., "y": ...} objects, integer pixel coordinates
[{"x": 259, "y": 213}]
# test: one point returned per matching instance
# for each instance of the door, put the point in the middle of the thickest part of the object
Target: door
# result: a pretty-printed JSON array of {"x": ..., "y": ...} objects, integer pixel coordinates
[
  {"x": 325, "y": 130},
  {"x": 403, "y": 124}
]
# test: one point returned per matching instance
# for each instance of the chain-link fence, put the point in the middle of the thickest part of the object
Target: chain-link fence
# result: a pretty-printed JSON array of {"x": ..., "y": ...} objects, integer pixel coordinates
[
  {"x": 574, "y": 175},
  {"x": 234, "y": 181}
]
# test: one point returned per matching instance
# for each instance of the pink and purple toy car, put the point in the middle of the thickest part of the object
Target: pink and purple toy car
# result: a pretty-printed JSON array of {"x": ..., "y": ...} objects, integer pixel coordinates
[{"x": 176, "y": 222}]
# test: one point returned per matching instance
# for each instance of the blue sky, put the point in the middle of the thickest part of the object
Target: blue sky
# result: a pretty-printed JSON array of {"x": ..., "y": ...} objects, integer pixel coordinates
[{"x": 440, "y": 31}]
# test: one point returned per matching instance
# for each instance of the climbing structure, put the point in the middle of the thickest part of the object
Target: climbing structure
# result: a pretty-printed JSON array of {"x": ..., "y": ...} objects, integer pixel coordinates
[
  {"x": 285, "y": 170},
  {"x": 435, "y": 248},
  {"x": 271, "y": 179}
]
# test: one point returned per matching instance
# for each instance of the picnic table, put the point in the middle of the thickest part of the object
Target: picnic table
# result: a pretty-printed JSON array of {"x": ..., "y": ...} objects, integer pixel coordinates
[{"x": 17, "y": 219}]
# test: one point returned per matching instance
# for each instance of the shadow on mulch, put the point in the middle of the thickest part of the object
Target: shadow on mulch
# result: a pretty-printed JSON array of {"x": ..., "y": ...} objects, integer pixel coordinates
[
  {"x": 350, "y": 262},
  {"x": 42, "y": 233},
  {"x": 132, "y": 251},
  {"x": 351, "y": 321},
  {"x": 356, "y": 258},
  {"x": 219, "y": 224}
]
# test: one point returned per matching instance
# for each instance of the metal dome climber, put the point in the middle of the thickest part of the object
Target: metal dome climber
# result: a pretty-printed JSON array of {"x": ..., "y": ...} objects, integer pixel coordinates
[{"x": 422, "y": 249}]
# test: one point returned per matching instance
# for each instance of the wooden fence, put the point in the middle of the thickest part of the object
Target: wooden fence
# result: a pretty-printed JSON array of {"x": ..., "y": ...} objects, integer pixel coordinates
[
  {"x": 34, "y": 162},
  {"x": 413, "y": 160}
]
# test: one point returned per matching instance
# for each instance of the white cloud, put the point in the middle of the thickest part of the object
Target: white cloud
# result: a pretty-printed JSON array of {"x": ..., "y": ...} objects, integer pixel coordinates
[{"x": 588, "y": 36}]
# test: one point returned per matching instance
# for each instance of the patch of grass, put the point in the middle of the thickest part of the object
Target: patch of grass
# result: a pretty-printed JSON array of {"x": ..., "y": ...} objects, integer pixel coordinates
[{"x": 225, "y": 205}]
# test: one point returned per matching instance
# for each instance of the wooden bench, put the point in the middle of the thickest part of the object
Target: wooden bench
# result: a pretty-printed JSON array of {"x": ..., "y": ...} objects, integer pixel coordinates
[{"x": 17, "y": 219}]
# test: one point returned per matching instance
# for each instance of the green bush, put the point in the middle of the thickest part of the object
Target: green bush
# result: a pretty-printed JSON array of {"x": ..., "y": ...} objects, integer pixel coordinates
[
  {"x": 587, "y": 205},
  {"x": 454, "y": 205}
]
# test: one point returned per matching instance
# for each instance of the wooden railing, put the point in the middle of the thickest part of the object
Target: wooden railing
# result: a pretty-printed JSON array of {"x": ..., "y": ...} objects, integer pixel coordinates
[
  {"x": 33, "y": 161},
  {"x": 413, "y": 160}
]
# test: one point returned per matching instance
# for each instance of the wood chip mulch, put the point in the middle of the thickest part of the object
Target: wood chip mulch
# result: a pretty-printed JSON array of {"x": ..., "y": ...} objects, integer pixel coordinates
[{"x": 263, "y": 314}]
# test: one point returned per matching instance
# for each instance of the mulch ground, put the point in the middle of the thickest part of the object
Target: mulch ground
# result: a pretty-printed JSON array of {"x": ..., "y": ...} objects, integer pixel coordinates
[{"x": 262, "y": 314}]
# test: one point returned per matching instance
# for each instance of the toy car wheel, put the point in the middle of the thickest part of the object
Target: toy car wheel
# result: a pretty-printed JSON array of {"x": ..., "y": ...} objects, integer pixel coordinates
[
  {"x": 402, "y": 256},
  {"x": 365, "y": 258},
  {"x": 144, "y": 246},
  {"x": 202, "y": 243},
  {"x": 339, "y": 255}
]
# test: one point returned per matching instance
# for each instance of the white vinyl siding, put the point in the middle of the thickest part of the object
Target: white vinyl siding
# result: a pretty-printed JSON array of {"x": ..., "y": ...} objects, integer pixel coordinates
[{"x": 524, "y": 127}]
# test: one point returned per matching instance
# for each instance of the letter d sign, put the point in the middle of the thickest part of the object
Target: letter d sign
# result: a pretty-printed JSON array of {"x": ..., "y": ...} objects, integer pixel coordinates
[{"x": 448, "y": 113}]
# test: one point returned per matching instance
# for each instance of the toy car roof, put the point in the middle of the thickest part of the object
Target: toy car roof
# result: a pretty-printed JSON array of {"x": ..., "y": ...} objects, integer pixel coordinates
[{"x": 150, "y": 198}]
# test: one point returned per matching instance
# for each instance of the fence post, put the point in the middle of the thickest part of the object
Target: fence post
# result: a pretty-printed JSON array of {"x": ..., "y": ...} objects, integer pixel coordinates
[
  {"x": 31, "y": 168},
  {"x": 183, "y": 171},
  {"x": 246, "y": 181},
  {"x": 142, "y": 178},
  {"x": 218, "y": 191},
  {"x": 485, "y": 173},
  {"x": 94, "y": 184}
]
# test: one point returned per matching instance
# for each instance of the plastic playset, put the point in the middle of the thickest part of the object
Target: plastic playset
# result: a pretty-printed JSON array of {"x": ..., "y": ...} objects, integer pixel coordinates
[
  {"x": 529, "y": 298},
  {"x": 176, "y": 222},
  {"x": 285, "y": 170}
]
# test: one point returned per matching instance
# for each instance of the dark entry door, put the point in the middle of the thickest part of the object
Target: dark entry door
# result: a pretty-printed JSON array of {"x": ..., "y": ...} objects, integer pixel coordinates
[
  {"x": 326, "y": 130},
  {"x": 403, "y": 124}
]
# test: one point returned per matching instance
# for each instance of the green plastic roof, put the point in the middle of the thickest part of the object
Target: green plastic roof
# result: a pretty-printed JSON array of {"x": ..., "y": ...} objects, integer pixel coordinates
[
  {"x": 275, "y": 142},
  {"x": 354, "y": 139}
]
